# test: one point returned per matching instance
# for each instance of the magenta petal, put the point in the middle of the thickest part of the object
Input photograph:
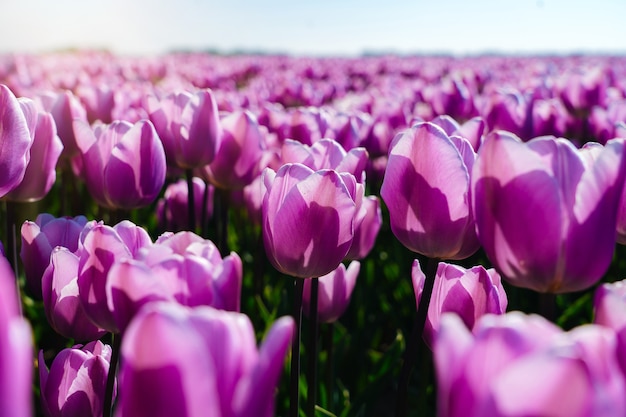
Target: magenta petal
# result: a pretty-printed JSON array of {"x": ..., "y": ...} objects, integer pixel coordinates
[
  {"x": 200, "y": 131},
  {"x": 425, "y": 166},
  {"x": 165, "y": 367},
  {"x": 518, "y": 212},
  {"x": 324, "y": 239},
  {"x": 254, "y": 397},
  {"x": 15, "y": 141},
  {"x": 135, "y": 173},
  {"x": 40, "y": 173}
]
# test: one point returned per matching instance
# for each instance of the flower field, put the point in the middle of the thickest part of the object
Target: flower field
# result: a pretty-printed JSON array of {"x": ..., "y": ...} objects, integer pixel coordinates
[{"x": 261, "y": 235}]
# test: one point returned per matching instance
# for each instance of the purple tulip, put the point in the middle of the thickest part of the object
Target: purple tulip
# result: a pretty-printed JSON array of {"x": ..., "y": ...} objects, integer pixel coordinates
[
  {"x": 451, "y": 96},
  {"x": 62, "y": 305},
  {"x": 76, "y": 382},
  {"x": 189, "y": 127},
  {"x": 546, "y": 212},
  {"x": 172, "y": 210},
  {"x": 335, "y": 290},
  {"x": 507, "y": 109},
  {"x": 180, "y": 267},
  {"x": 583, "y": 89},
  {"x": 549, "y": 117},
  {"x": 65, "y": 109},
  {"x": 518, "y": 365},
  {"x": 16, "y": 345},
  {"x": 124, "y": 164},
  {"x": 473, "y": 130},
  {"x": 16, "y": 125},
  {"x": 308, "y": 219},
  {"x": 44, "y": 153},
  {"x": 102, "y": 247},
  {"x": 470, "y": 293},
  {"x": 39, "y": 238},
  {"x": 326, "y": 153},
  {"x": 610, "y": 311},
  {"x": 240, "y": 150},
  {"x": 426, "y": 188},
  {"x": 99, "y": 102},
  {"x": 367, "y": 223},
  {"x": 177, "y": 361}
]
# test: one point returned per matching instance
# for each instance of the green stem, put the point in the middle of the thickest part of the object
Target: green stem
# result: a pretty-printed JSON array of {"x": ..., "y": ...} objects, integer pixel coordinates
[
  {"x": 222, "y": 197},
  {"x": 191, "y": 206},
  {"x": 294, "y": 385},
  {"x": 108, "y": 394},
  {"x": 311, "y": 374},
  {"x": 204, "y": 222},
  {"x": 330, "y": 372},
  {"x": 412, "y": 349},
  {"x": 547, "y": 306}
]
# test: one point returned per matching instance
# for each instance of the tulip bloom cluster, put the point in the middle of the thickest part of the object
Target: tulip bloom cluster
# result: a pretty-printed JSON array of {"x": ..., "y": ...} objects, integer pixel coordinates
[
  {"x": 519, "y": 157},
  {"x": 494, "y": 370}
]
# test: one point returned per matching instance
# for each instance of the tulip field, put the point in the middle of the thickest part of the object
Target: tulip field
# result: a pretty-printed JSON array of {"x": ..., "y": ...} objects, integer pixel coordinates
[{"x": 196, "y": 234}]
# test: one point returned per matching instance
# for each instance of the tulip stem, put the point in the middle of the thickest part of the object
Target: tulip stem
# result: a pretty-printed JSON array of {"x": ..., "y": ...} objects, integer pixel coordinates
[
  {"x": 222, "y": 196},
  {"x": 412, "y": 348},
  {"x": 294, "y": 386},
  {"x": 204, "y": 219},
  {"x": 328, "y": 342},
  {"x": 311, "y": 374},
  {"x": 11, "y": 250},
  {"x": 191, "y": 202},
  {"x": 547, "y": 306},
  {"x": 108, "y": 394}
]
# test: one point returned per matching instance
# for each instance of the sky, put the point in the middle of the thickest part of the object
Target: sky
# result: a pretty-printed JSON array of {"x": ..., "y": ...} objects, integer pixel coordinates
[{"x": 316, "y": 27}]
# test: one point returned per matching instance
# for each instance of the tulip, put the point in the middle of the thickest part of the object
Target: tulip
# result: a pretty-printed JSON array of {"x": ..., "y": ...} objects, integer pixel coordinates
[
  {"x": 102, "y": 247},
  {"x": 518, "y": 365},
  {"x": 326, "y": 153},
  {"x": 75, "y": 384},
  {"x": 470, "y": 293},
  {"x": 507, "y": 109},
  {"x": 44, "y": 153},
  {"x": 39, "y": 238},
  {"x": 546, "y": 212},
  {"x": 240, "y": 150},
  {"x": 335, "y": 290},
  {"x": 16, "y": 345},
  {"x": 610, "y": 311},
  {"x": 98, "y": 101},
  {"x": 180, "y": 267},
  {"x": 124, "y": 164},
  {"x": 367, "y": 223},
  {"x": 581, "y": 90},
  {"x": 177, "y": 361},
  {"x": 472, "y": 130},
  {"x": 62, "y": 305},
  {"x": 426, "y": 188},
  {"x": 16, "y": 125},
  {"x": 308, "y": 219},
  {"x": 189, "y": 127},
  {"x": 172, "y": 209},
  {"x": 451, "y": 96},
  {"x": 65, "y": 109}
]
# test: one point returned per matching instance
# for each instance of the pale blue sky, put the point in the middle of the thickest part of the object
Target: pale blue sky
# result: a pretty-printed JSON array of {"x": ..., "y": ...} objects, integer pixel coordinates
[{"x": 335, "y": 27}]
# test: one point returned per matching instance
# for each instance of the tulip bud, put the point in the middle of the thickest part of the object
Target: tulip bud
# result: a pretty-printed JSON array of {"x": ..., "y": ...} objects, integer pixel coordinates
[
  {"x": 335, "y": 290},
  {"x": 546, "y": 213},
  {"x": 426, "y": 188},
  {"x": 470, "y": 293},
  {"x": 202, "y": 361},
  {"x": 308, "y": 219},
  {"x": 124, "y": 164},
  {"x": 75, "y": 385},
  {"x": 39, "y": 238}
]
